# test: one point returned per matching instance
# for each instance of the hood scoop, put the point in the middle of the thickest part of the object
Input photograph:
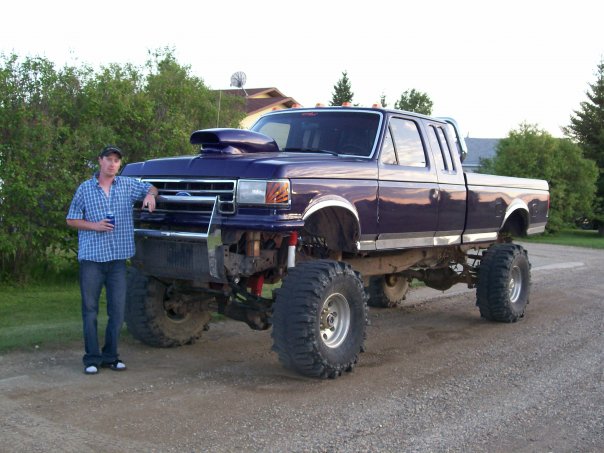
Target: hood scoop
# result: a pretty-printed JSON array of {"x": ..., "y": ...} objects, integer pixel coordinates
[{"x": 233, "y": 141}]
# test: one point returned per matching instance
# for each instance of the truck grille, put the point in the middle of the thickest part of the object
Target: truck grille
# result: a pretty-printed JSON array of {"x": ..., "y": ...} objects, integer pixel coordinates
[{"x": 179, "y": 195}]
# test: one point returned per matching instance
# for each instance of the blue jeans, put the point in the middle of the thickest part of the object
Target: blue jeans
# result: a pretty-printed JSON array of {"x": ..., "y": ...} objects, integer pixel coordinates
[{"x": 93, "y": 276}]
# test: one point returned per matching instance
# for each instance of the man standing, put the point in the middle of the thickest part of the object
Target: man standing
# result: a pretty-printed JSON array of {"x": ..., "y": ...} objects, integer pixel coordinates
[{"x": 101, "y": 210}]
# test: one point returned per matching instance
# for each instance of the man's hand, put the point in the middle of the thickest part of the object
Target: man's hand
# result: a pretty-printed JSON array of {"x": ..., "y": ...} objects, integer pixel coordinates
[
  {"x": 149, "y": 202},
  {"x": 103, "y": 225}
]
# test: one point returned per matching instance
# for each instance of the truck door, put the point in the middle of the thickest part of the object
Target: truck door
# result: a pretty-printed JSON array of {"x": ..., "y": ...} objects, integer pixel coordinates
[
  {"x": 408, "y": 188},
  {"x": 451, "y": 184}
]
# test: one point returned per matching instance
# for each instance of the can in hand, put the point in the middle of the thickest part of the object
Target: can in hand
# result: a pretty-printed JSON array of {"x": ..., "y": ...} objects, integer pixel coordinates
[{"x": 110, "y": 217}]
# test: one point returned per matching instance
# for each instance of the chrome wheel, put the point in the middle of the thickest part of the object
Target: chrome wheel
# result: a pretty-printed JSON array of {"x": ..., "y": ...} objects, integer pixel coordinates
[
  {"x": 515, "y": 285},
  {"x": 335, "y": 320}
]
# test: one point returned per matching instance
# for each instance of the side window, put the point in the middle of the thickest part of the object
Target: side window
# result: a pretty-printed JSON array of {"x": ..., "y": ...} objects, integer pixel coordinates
[
  {"x": 408, "y": 143},
  {"x": 444, "y": 146},
  {"x": 436, "y": 149},
  {"x": 388, "y": 156}
]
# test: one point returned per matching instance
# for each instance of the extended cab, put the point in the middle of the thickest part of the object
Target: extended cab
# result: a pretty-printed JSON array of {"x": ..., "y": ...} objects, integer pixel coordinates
[{"x": 336, "y": 208}]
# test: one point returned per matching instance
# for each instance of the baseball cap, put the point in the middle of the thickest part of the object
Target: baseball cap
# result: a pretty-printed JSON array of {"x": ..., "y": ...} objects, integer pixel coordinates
[{"x": 110, "y": 150}]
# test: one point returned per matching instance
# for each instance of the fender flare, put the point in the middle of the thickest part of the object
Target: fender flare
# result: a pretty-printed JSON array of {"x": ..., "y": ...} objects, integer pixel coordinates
[
  {"x": 517, "y": 205},
  {"x": 330, "y": 201},
  {"x": 339, "y": 213}
]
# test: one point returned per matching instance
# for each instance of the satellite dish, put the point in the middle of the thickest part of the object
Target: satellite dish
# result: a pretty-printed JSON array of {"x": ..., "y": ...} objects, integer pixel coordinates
[{"x": 238, "y": 80}]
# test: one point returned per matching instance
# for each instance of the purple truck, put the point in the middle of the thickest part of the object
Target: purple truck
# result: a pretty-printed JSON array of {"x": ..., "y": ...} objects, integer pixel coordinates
[{"x": 313, "y": 215}]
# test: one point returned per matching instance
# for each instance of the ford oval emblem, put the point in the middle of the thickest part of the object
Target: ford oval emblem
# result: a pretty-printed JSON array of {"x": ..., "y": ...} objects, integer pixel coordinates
[{"x": 183, "y": 194}]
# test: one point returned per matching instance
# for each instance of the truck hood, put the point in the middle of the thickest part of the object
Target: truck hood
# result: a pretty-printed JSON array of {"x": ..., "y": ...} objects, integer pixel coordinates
[
  {"x": 256, "y": 166},
  {"x": 237, "y": 153}
]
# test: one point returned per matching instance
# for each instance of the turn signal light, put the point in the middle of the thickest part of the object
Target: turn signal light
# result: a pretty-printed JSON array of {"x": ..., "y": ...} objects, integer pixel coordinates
[{"x": 277, "y": 192}]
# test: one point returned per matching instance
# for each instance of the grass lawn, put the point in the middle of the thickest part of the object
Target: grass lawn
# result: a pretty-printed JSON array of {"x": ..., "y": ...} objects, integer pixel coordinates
[
  {"x": 41, "y": 315},
  {"x": 575, "y": 237}
]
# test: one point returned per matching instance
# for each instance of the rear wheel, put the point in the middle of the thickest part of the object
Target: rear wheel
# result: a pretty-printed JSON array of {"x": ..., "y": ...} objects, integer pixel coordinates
[
  {"x": 158, "y": 318},
  {"x": 387, "y": 291},
  {"x": 319, "y": 319},
  {"x": 503, "y": 283}
]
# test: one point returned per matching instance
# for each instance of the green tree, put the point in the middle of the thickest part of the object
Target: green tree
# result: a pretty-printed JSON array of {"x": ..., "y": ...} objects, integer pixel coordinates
[
  {"x": 587, "y": 129},
  {"x": 54, "y": 121},
  {"x": 40, "y": 109},
  {"x": 530, "y": 152},
  {"x": 415, "y": 101},
  {"x": 342, "y": 91},
  {"x": 118, "y": 111}
]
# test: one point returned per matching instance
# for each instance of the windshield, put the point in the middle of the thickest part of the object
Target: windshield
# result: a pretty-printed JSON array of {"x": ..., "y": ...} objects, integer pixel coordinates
[{"x": 351, "y": 132}]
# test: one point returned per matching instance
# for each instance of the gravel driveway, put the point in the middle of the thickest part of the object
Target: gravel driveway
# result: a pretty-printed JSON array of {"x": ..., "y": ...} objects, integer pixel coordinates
[{"x": 435, "y": 377}]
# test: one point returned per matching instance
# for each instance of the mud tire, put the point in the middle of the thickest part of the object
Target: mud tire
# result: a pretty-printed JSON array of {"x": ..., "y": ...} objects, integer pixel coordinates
[
  {"x": 148, "y": 320},
  {"x": 319, "y": 319},
  {"x": 387, "y": 291},
  {"x": 504, "y": 280}
]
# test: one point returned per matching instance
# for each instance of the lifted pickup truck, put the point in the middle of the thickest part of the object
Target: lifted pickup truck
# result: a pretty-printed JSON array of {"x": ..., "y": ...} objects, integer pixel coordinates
[{"x": 341, "y": 207}]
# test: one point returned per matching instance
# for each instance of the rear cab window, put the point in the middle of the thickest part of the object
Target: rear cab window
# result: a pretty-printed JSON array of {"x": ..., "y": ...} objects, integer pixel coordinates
[{"x": 441, "y": 148}]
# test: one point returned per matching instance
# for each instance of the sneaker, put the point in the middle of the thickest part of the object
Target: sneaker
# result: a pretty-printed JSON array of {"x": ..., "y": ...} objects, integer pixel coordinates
[
  {"x": 91, "y": 369},
  {"x": 118, "y": 365}
]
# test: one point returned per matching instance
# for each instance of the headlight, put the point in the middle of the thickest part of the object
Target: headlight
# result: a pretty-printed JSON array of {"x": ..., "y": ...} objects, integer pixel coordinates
[{"x": 264, "y": 193}]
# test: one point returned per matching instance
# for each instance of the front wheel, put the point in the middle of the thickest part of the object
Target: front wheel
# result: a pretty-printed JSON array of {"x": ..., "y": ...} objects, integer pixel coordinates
[
  {"x": 504, "y": 280},
  {"x": 157, "y": 317},
  {"x": 319, "y": 319}
]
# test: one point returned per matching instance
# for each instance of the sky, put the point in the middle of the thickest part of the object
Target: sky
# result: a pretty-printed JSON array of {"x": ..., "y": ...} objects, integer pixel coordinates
[{"x": 491, "y": 65}]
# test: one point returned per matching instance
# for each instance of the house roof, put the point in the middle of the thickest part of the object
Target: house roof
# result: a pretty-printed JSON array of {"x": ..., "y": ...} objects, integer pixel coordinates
[
  {"x": 271, "y": 91},
  {"x": 480, "y": 148},
  {"x": 254, "y": 104}
]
